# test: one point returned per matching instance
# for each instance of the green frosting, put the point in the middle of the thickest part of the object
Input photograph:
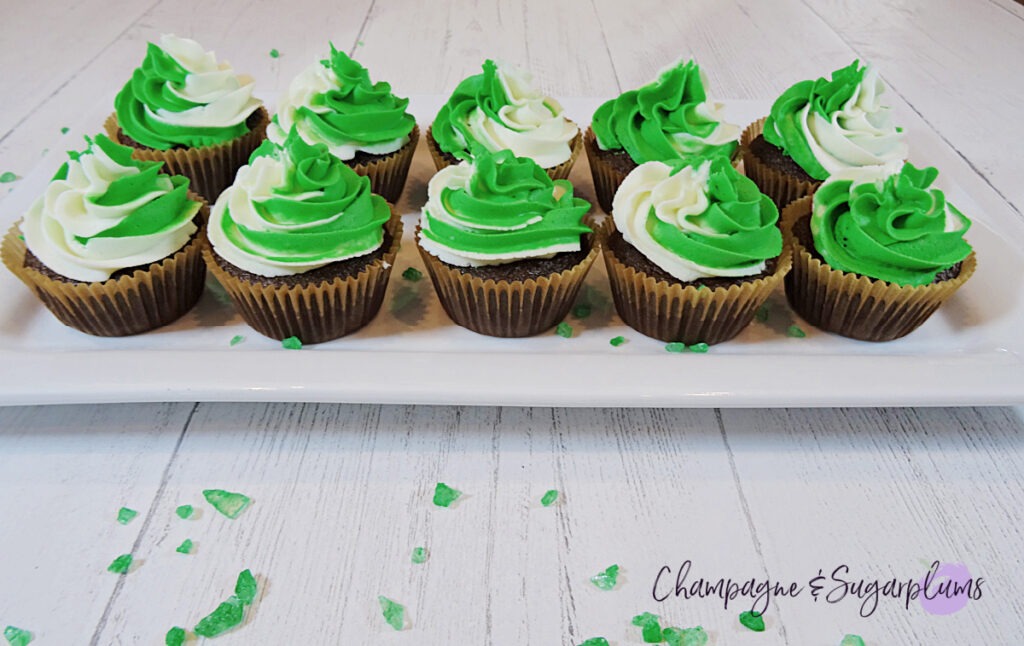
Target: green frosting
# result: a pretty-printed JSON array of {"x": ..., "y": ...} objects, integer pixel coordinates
[
  {"x": 647, "y": 122},
  {"x": 482, "y": 91},
  {"x": 892, "y": 229}
]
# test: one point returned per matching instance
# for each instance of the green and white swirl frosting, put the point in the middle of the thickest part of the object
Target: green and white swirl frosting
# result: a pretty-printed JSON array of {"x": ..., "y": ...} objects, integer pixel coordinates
[
  {"x": 104, "y": 211},
  {"x": 296, "y": 208},
  {"x": 498, "y": 209},
  {"x": 886, "y": 222},
  {"x": 502, "y": 110},
  {"x": 333, "y": 102},
  {"x": 181, "y": 96},
  {"x": 666, "y": 120},
  {"x": 698, "y": 220},
  {"x": 831, "y": 124}
]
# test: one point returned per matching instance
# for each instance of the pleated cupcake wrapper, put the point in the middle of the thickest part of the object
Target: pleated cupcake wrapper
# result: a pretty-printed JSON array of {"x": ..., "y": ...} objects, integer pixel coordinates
[
  {"x": 211, "y": 169},
  {"x": 607, "y": 177},
  {"x": 146, "y": 300},
  {"x": 779, "y": 186},
  {"x": 314, "y": 313},
  {"x": 856, "y": 306},
  {"x": 507, "y": 308},
  {"x": 443, "y": 160},
  {"x": 675, "y": 312},
  {"x": 387, "y": 174}
]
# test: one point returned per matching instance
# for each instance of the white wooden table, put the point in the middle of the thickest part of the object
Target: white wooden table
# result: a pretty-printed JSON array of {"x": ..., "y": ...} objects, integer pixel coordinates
[{"x": 342, "y": 492}]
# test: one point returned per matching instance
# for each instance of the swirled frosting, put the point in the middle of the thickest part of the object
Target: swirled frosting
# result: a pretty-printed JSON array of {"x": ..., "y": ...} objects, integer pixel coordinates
[
  {"x": 498, "y": 209},
  {"x": 181, "y": 96},
  {"x": 697, "y": 220},
  {"x": 104, "y": 211},
  {"x": 888, "y": 223},
  {"x": 296, "y": 208},
  {"x": 333, "y": 102},
  {"x": 666, "y": 120},
  {"x": 829, "y": 125},
  {"x": 502, "y": 110}
]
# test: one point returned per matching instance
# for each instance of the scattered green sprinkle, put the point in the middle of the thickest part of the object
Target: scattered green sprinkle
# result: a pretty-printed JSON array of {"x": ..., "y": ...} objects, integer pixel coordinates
[
  {"x": 245, "y": 587},
  {"x": 64, "y": 130},
  {"x": 762, "y": 313},
  {"x": 617, "y": 341},
  {"x": 444, "y": 495},
  {"x": 700, "y": 287},
  {"x": 226, "y": 616},
  {"x": 795, "y": 332},
  {"x": 649, "y": 626},
  {"x": 121, "y": 564},
  {"x": 394, "y": 612},
  {"x": 7, "y": 177},
  {"x": 184, "y": 511},
  {"x": 291, "y": 343},
  {"x": 125, "y": 515},
  {"x": 228, "y": 503},
  {"x": 419, "y": 555},
  {"x": 549, "y": 497},
  {"x": 607, "y": 579},
  {"x": 595, "y": 641},
  {"x": 852, "y": 640},
  {"x": 17, "y": 636},
  {"x": 675, "y": 346},
  {"x": 274, "y": 53},
  {"x": 685, "y": 636},
  {"x": 185, "y": 547},
  {"x": 699, "y": 347},
  {"x": 564, "y": 330},
  {"x": 175, "y": 637},
  {"x": 412, "y": 274},
  {"x": 235, "y": 340},
  {"x": 582, "y": 311},
  {"x": 752, "y": 620}
]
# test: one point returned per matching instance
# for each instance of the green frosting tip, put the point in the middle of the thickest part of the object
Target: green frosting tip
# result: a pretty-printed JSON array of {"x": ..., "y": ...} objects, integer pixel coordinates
[
  {"x": 125, "y": 515},
  {"x": 228, "y": 503},
  {"x": 394, "y": 612},
  {"x": 17, "y": 636},
  {"x": 752, "y": 620},
  {"x": 445, "y": 496}
]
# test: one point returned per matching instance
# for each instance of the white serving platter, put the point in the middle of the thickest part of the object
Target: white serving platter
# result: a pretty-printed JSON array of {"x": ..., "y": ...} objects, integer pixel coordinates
[{"x": 969, "y": 353}]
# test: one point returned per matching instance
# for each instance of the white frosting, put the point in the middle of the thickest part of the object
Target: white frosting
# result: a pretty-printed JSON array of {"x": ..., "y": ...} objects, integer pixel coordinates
[
  {"x": 225, "y": 98},
  {"x": 679, "y": 200},
  {"x": 66, "y": 211}
]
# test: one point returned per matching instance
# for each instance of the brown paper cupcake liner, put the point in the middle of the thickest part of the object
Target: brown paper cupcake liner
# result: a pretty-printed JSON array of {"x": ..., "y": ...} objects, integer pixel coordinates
[
  {"x": 607, "y": 177},
  {"x": 779, "y": 186},
  {"x": 211, "y": 168},
  {"x": 670, "y": 311},
  {"x": 503, "y": 308},
  {"x": 123, "y": 306},
  {"x": 387, "y": 174},
  {"x": 443, "y": 159},
  {"x": 313, "y": 312},
  {"x": 856, "y": 306}
]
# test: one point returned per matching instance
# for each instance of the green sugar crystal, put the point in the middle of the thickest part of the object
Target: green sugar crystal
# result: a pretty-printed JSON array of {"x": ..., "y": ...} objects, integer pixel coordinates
[
  {"x": 235, "y": 340},
  {"x": 7, "y": 177},
  {"x": 228, "y": 503},
  {"x": 121, "y": 564},
  {"x": 175, "y": 637},
  {"x": 699, "y": 347},
  {"x": 685, "y": 636},
  {"x": 549, "y": 497},
  {"x": 595, "y": 641},
  {"x": 274, "y": 53},
  {"x": 795, "y": 332},
  {"x": 125, "y": 515},
  {"x": 564, "y": 330},
  {"x": 394, "y": 612},
  {"x": 17, "y": 636},
  {"x": 184, "y": 511},
  {"x": 245, "y": 587},
  {"x": 444, "y": 495},
  {"x": 607, "y": 579},
  {"x": 582, "y": 311},
  {"x": 675, "y": 346},
  {"x": 852, "y": 640},
  {"x": 412, "y": 274},
  {"x": 753, "y": 621},
  {"x": 226, "y": 616},
  {"x": 185, "y": 547},
  {"x": 762, "y": 313},
  {"x": 419, "y": 555},
  {"x": 651, "y": 629},
  {"x": 617, "y": 341},
  {"x": 291, "y": 343},
  {"x": 65, "y": 130}
]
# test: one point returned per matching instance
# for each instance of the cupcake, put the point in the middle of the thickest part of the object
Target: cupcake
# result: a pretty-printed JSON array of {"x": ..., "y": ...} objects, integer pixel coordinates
[
  {"x": 112, "y": 246},
  {"x": 875, "y": 252},
  {"x": 817, "y": 128},
  {"x": 505, "y": 245},
  {"x": 333, "y": 102},
  {"x": 668, "y": 120},
  {"x": 692, "y": 250},
  {"x": 183, "y": 108},
  {"x": 300, "y": 244},
  {"x": 502, "y": 110}
]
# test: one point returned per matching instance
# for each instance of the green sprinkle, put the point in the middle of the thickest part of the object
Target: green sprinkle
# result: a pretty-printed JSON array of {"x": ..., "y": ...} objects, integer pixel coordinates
[
  {"x": 675, "y": 346},
  {"x": 685, "y": 636},
  {"x": 649, "y": 626},
  {"x": 444, "y": 495},
  {"x": 121, "y": 564},
  {"x": 412, "y": 274},
  {"x": 291, "y": 343},
  {"x": 185, "y": 547},
  {"x": 175, "y": 637},
  {"x": 595, "y": 641},
  {"x": 852, "y": 640},
  {"x": 549, "y": 497},
  {"x": 228, "y": 503},
  {"x": 360, "y": 43},
  {"x": 699, "y": 348},
  {"x": 564, "y": 330},
  {"x": 125, "y": 515},
  {"x": 394, "y": 612},
  {"x": 700, "y": 287},
  {"x": 419, "y": 555},
  {"x": 245, "y": 587},
  {"x": 795, "y": 332},
  {"x": 582, "y": 311},
  {"x": 753, "y": 621},
  {"x": 17, "y": 636},
  {"x": 617, "y": 341},
  {"x": 226, "y": 616},
  {"x": 64, "y": 130},
  {"x": 762, "y": 313},
  {"x": 606, "y": 580},
  {"x": 274, "y": 53},
  {"x": 235, "y": 340},
  {"x": 184, "y": 511},
  {"x": 7, "y": 177}
]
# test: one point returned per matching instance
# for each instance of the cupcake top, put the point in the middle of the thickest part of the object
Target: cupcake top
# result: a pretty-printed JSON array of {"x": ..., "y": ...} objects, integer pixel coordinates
[
  {"x": 497, "y": 209},
  {"x": 698, "y": 220},
  {"x": 885, "y": 222},
  {"x": 831, "y": 124},
  {"x": 296, "y": 208},
  {"x": 666, "y": 120},
  {"x": 502, "y": 110},
  {"x": 181, "y": 96},
  {"x": 104, "y": 211},
  {"x": 333, "y": 102}
]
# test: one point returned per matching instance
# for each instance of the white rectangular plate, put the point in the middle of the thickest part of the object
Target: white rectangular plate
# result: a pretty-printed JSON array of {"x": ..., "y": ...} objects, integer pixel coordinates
[{"x": 969, "y": 353}]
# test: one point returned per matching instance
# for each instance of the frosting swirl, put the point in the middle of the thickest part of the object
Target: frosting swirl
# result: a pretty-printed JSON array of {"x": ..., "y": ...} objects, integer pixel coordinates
[
  {"x": 887, "y": 223},
  {"x": 181, "y": 96},
  {"x": 666, "y": 120},
  {"x": 333, "y": 102},
  {"x": 829, "y": 125},
  {"x": 698, "y": 220},
  {"x": 498, "y": 209},
  {"x": 294, "y": 209},
  {"x": 104, "y": 211},
  {"x": 502, "y": 110}
]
